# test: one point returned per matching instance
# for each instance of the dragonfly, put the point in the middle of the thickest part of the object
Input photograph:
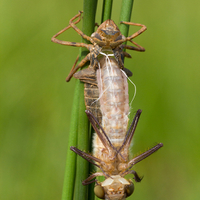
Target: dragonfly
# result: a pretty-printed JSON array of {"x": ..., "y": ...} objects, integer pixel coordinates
[
  {"x": 112, "y": 140},
  {"x": 105, "y": 80}
]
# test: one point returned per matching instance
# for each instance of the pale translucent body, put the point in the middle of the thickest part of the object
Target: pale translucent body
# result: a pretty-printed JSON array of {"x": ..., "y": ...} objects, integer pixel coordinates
[
  {"x": 114, "y": 100},
  {"x": 114, "y": 105},
  {"x": 112, "y": 141}
]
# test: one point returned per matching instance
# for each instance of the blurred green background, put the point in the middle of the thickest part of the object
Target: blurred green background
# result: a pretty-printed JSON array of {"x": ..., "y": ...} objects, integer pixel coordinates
[{"x": 36, "y": 102}]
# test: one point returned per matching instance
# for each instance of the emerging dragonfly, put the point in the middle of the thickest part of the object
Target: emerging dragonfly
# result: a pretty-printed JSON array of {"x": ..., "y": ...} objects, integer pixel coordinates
[
  {"x": 112, "y": 141},
  {"x": 111, "y": 153},
  {"x": 107, "y": 38}
]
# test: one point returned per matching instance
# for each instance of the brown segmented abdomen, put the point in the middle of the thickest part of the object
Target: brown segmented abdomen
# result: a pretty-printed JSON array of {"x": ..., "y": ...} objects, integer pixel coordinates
[{"x": 91, "y": 91}]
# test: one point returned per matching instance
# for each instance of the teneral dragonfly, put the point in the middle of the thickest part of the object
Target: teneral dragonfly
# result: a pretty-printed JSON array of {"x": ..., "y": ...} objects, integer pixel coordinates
[{"x": 112, "y": 141}]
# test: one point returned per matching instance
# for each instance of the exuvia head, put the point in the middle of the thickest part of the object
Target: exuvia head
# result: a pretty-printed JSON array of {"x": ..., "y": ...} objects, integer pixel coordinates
[{"x": 107, "y": 33}]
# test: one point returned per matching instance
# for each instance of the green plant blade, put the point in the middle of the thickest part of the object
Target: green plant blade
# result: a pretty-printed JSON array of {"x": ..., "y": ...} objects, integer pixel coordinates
[
  {"x": 70, "y": 169},
  {"x": 126, "y": 10}
]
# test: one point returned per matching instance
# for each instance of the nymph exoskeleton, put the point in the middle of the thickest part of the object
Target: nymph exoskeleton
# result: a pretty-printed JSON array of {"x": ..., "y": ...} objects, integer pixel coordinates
[
  {"x": 113, "y": 162},
  {"x": 107, "y": 38}
]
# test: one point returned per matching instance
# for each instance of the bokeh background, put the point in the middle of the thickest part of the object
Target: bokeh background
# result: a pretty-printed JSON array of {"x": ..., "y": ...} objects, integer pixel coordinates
[{"x": 36, "y": 102}]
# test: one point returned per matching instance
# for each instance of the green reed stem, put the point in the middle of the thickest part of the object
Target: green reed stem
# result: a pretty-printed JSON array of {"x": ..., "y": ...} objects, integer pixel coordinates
[
  {"x": 70, "y": 169},
  {"x": 107, "y": 9},
  {"x": 82, "y": 167},
  {"x": 126, "y": 10},
  {"x": 77, "y": 169}
]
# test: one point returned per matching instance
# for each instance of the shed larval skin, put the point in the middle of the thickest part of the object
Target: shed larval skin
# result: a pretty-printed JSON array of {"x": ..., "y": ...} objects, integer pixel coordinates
[{"x": 107, "y": 37}]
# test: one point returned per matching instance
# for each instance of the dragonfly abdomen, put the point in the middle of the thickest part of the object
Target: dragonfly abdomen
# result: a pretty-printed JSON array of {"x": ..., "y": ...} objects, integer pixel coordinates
[{"x": 114, "y": 100}]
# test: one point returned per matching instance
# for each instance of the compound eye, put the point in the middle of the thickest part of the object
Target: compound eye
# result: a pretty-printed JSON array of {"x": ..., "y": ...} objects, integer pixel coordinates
[
  {"x": 99, "y": 192},
  {"x": 129, "y": 189}
]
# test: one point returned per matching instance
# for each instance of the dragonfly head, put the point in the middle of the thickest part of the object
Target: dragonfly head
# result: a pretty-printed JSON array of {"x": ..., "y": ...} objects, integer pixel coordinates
[{"x": 114, "y": 188}]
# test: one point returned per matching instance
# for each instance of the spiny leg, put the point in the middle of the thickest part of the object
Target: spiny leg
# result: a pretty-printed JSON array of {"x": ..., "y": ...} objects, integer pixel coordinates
[
  {"x": 130, "y": 132},
  {"x": 138, "y": 48},
  {"x": 138, "y": 32},
  {"x": 88, "y": 46},
  {"x": 86, "y": 156},
  {"x": 102, "y": 135},
  {"x": 72, "y": 24},
  {"x": 71, "y": 71},
  {"x": 127, "y": 55},
  {"x": 55, "y": 40},
  {"x": 89, "y": 158},
  {"x": 81, "y": 64},
  {"x": 136, "y": 176},
  {"x": 144, "y": 155},
  {"x": 87, "y": 181},
  {"x": 63, "y": 30}
]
